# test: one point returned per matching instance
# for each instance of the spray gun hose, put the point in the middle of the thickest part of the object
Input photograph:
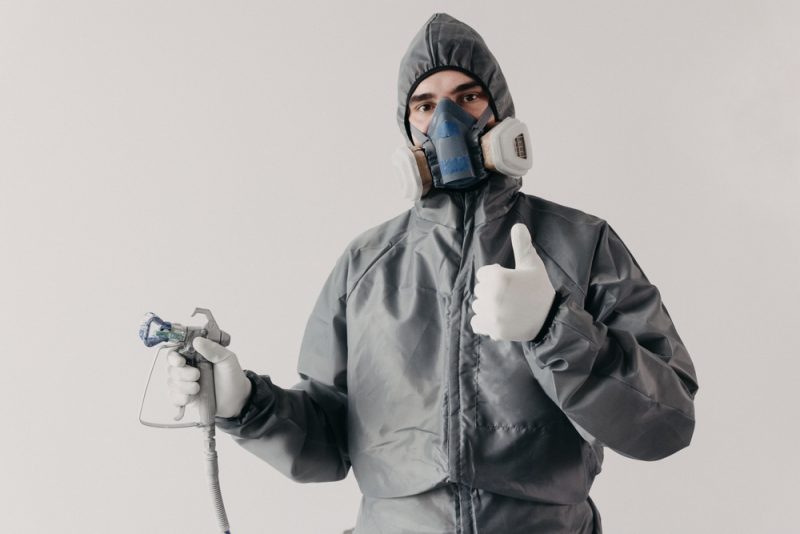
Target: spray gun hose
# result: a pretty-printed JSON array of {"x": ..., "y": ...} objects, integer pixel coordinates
[
  {"x": 212, "y": 470},
  {"x": 207, "y": 405}
]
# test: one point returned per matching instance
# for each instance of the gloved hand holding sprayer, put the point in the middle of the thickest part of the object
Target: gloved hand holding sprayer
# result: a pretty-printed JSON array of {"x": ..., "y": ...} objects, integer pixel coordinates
[
  {"x": 231, "y": 386},
  {"x": 201, "y": 372}
]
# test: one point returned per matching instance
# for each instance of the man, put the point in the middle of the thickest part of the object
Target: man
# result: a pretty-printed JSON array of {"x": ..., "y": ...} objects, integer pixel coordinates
[{"x": 469, "y": 373}]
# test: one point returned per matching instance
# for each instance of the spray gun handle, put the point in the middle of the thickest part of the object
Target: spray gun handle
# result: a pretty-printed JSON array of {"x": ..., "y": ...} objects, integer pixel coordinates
[{"x": 206, "y": 397}]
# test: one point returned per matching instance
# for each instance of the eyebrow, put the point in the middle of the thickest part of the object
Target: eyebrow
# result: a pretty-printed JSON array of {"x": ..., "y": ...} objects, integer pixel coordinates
[{"x": 429, "y": 96}]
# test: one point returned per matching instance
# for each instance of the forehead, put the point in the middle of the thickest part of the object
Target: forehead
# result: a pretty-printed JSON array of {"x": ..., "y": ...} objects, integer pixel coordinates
[{"x": 442, "y": 82}]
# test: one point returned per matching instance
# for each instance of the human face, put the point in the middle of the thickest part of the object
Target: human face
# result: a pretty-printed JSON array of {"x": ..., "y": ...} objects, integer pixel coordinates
[{"x": 455, "y": 85}]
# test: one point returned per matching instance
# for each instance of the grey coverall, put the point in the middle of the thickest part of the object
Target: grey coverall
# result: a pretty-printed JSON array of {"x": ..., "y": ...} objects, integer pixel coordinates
[{"x": 451, "y": 432}]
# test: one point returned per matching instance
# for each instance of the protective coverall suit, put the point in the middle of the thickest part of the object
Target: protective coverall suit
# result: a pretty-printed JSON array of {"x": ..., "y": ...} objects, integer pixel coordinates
[{"x": 451, "y": 432}]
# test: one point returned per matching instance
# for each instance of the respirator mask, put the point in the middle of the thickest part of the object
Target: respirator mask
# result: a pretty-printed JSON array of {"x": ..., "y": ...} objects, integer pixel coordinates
[{"x": 458, "y": 152}]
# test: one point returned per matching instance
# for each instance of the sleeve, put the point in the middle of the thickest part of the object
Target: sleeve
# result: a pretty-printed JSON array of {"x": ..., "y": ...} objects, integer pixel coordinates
[
  {"x": 302, "y": 431},
  {"x": 616, "y": 365}
]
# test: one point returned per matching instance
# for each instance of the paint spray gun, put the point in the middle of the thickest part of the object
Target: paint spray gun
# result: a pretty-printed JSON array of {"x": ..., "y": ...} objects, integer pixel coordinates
[{"x": 155, "y": 331}]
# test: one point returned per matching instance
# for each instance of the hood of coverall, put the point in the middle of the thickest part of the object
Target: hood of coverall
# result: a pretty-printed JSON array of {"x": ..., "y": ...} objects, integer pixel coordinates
[{"x": 443, "y": 43}]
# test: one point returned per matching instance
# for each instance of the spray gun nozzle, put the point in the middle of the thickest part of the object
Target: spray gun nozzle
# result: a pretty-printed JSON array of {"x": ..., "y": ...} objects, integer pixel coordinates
[{"x": 154, "y": 330}]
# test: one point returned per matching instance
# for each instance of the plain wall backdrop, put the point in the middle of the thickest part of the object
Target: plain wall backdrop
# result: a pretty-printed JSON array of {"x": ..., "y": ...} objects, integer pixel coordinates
[{"x": 157, "y": 156}]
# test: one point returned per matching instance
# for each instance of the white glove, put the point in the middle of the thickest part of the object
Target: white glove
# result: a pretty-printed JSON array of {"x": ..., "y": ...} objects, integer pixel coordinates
[
  {"x": 512, "y": 304},
  {"x": 231, "y": 386}
]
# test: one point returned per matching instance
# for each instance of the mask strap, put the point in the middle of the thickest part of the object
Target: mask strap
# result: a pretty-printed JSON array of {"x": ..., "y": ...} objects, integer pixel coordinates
[
  {"x": 417, "y": 135},
  {"x": 483, "y": 119}
]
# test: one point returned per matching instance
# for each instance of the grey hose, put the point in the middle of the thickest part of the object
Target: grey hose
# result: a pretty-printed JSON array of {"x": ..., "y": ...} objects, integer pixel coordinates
[
  {"x": 212, "y": 470},
  {"x": 207, "y": 405}
]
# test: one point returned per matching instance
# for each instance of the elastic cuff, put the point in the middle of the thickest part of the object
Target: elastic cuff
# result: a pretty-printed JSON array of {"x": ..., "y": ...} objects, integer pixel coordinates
[
  {"x": 261, "y": 396},
  {"x": 548, "y": 322}
]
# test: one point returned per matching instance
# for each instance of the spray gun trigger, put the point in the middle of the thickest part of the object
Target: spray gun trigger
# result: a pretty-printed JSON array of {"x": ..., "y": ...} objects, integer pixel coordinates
[{"x": 211, "y": 330}]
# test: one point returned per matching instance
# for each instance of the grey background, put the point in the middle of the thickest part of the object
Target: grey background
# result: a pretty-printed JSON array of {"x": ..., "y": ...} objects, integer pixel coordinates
[{"x": 164, "y": 155}]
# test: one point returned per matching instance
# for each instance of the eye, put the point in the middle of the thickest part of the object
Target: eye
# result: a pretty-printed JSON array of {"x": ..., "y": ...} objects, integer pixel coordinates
[
  {"x": 470, "y": 97},
  {"x": 423, "y": 108}
]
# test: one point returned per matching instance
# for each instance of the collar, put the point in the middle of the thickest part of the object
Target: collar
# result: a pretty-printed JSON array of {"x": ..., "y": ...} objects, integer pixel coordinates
[{"x": 490, "y": 200}]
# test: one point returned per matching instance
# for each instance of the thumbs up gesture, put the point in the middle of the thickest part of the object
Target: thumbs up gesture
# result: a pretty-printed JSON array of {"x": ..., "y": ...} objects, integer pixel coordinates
[{"x": 512, "y": 304}]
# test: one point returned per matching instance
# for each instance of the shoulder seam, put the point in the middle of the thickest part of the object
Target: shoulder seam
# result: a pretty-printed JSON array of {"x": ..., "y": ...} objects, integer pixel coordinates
[{"x": 392, "y": 243}]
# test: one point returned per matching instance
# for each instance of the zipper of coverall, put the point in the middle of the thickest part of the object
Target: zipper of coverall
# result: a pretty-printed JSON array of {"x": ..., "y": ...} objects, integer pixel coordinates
[{"x": 459, "y": 287}]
